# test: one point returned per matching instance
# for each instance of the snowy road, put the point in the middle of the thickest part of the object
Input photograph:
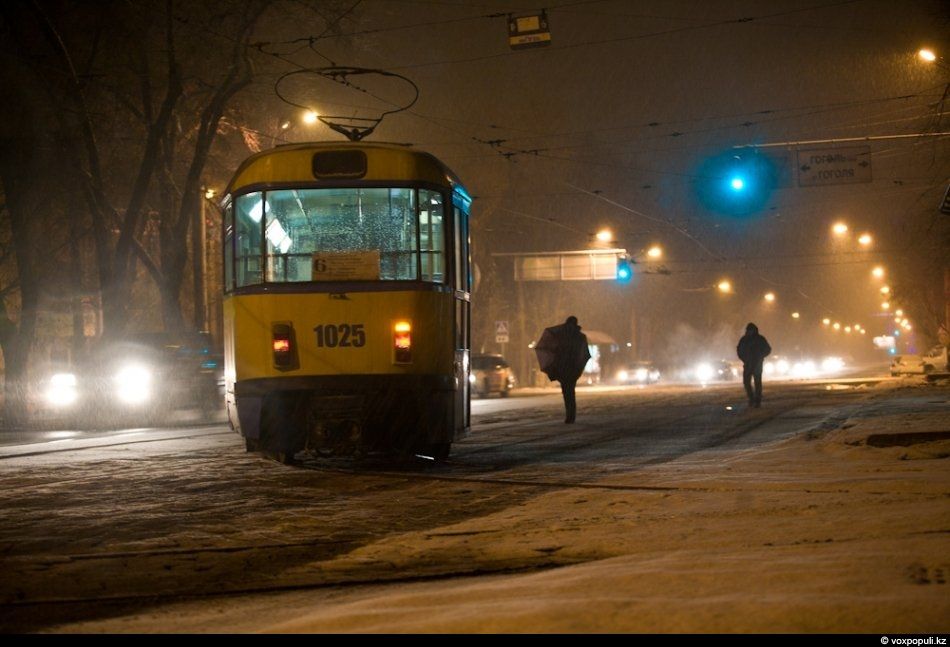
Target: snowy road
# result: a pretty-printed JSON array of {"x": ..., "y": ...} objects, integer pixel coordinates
[{"x": 101, "y": 525}]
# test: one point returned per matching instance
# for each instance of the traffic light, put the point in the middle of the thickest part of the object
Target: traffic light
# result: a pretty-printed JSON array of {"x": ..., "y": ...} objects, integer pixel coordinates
[
  {"x": 624, "y": 270},
  {"x": 740, "y": 175},
  {"x": 737, "y": 183}
]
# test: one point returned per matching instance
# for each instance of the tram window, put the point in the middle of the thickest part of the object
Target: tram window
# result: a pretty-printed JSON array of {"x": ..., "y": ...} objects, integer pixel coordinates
[
  {"x": 431, "y": 236},
  {"x": 302, "y": 223},
  {"x": 247, "y": 226},
  {"x": 463, "y": 275},
  {"x": 466, "y": 250},
  {"x": 229, "y": 248}
]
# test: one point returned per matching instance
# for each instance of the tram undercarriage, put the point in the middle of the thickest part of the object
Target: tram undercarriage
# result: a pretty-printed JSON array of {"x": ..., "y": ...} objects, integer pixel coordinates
[{"x": 348, "y": 416}]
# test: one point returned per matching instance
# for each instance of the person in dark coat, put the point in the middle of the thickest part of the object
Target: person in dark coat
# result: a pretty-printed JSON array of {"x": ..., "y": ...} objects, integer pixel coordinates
[
  {"x": 568, "y": 345},
  {"x": 753, "y": 348}
]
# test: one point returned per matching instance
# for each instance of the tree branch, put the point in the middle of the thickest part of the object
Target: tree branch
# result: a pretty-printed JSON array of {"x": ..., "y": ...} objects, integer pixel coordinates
[
  {"x": 150, "y": 156},
  {"x": 239, "y": 76},
  {"x": 153, "y": 269}
]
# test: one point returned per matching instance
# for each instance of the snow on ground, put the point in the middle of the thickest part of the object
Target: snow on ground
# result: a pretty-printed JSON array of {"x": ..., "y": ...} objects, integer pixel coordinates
[{"x": 817, "y": 533}]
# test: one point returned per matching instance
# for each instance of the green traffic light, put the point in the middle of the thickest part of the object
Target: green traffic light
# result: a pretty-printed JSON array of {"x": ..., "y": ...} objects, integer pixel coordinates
[{"x": 624, "y": 271}]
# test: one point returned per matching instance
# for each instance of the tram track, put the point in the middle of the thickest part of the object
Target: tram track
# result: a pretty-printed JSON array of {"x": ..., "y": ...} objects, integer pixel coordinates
[
  {"x": 118, "y": 443},
  {"x": 727, "y": 436}
]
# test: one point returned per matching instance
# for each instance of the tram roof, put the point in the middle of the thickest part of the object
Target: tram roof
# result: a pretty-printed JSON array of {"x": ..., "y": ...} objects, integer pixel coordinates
[{"x": 292, "y": 163}]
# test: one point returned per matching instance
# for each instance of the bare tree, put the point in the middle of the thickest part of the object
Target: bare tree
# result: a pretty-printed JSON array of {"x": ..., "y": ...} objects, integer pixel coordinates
[
  {"x": 22, "y": 254},
  {"x": 131, "y": 98}
]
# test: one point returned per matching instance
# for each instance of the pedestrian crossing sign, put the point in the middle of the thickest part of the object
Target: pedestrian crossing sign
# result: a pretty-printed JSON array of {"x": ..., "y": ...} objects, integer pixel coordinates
[{"x": 501, "y": 332}]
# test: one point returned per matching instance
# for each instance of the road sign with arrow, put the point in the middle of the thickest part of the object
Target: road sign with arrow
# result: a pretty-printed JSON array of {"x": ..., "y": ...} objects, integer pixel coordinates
[{"x": 827, "y": 166}]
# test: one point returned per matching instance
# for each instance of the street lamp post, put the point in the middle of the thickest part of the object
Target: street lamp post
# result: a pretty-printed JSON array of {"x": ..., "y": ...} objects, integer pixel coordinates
[{"x": 200, "y": 261}]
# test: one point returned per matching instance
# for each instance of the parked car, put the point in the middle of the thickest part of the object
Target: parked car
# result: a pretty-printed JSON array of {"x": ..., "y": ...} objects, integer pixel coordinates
[
  {"x": 637, "y": 373},
  {"x": 491, "y": 374},
  {"x": 906, "y": 364},
  {"x": 934, "y": 361}
]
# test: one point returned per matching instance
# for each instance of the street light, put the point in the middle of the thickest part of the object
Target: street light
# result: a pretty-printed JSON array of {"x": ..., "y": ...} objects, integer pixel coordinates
[
  {"x": 839, "y": 229},
  {"x": 885, "y": 289},
  {"x": 836, "y": 326},
  {"x": 931, "y": 57},
  {"x": 725, "y": 286},
  {"x": 655, "y": 252},
  {"x": 878, "y": 272},
  {"x": 865, "y": 239},
  {"x": 826, "y": 321},
  {"x": 770, "y": 297},
  {"x": 795, "y": 315},
  {"x": 604, "y": 236},
  {"x": 310, "y": 117},
  {"x": 885, "y": 306}
]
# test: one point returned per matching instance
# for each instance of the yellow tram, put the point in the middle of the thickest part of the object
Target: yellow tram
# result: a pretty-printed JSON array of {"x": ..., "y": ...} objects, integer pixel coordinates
[{"x": 347, "y": 301}]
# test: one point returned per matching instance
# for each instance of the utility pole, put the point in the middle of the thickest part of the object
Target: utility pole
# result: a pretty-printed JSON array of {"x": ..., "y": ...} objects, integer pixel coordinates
[{"x": 200, "y": 262}]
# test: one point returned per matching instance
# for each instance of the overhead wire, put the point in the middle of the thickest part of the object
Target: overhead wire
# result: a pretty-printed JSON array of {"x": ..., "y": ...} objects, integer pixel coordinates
[{"x": 619, "y": 39}]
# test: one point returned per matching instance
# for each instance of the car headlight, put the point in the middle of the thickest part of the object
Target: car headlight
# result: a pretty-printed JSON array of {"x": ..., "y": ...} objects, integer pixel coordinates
[
  {"x": 642, "y": 374},
  {"x": 62, "y": 390},
  {"x": 133, "y": 384},
  {"x": 704, "y": 372},
  {"x": 832, "y": 364},
  {"x": 622, "y": 376}
]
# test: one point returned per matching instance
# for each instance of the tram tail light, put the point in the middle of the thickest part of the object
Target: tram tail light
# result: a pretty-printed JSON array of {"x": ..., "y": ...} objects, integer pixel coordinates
[
  {"x": 402, "y": 342},
  {"x": 283, "y": 346}
]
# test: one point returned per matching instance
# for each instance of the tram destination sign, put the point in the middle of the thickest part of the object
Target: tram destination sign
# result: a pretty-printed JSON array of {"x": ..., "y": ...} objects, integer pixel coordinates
[
  {"x": 345, "y": 266},
  {"x": 828, "y": 166}
]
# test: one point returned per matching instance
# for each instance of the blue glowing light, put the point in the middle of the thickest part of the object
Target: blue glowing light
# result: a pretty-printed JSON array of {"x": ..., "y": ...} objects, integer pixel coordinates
[
  {"x": 624, "y": 271},
  {"x": 737, "y": 184}
]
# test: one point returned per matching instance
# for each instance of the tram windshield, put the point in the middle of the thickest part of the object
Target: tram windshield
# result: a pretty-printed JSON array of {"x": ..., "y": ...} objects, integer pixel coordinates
[{"x": 297, "y": 235}]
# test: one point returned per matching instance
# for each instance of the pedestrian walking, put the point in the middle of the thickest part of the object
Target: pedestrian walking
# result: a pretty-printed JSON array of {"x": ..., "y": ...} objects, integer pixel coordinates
[
  {"x": 562, "y": 353},
  {"x": 753, "y": 348}
]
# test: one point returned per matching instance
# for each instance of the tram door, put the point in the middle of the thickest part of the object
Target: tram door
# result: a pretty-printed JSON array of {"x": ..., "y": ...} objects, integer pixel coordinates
[{"x": 463, "y": 317}]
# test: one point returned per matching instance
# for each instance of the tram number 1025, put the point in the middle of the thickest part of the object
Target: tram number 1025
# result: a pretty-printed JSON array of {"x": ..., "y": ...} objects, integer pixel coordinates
[{"x": 340, "y": 336}]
